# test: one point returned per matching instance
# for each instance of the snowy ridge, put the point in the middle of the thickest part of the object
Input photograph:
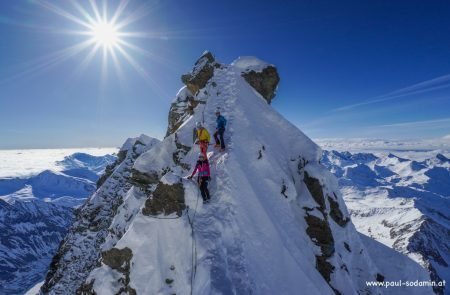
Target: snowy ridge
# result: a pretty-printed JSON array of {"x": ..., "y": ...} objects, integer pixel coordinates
[{"x": 277, "y": 222}]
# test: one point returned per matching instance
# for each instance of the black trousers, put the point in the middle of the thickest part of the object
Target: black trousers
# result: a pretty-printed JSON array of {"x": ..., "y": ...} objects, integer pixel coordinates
[
  {"x": 203, "y": 183},
  {"x": 218, "y": 136}
]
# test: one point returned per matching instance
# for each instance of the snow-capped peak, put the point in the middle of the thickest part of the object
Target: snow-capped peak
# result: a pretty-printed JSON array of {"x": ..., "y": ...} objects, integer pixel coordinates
[
  {"x": 249, "y": 63},
  {"x": 276, "y": 223}
]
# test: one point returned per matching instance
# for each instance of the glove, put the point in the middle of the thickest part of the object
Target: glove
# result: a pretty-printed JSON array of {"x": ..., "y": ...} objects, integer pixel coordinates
[
  {"x": 209, "y": 178},
  {"x": 189, "y": 177}
]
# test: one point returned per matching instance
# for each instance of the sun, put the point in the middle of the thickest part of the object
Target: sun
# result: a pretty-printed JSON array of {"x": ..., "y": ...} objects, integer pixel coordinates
[{"x": 105, "y": 34}]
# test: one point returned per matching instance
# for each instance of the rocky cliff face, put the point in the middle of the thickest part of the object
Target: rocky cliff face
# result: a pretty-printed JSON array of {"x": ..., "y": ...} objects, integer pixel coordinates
[
  {"x": 261, "y": 76},
  {"x": 265, "y": 82},
  {"x": 277, "y": 222},
  {"x": 201, "y": 73}
]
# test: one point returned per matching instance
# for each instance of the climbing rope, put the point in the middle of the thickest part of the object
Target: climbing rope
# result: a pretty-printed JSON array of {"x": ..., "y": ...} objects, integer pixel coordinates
[
  {"x": 156, "y": 217},
  {"x": 191, "y": 220},
  {"x": 204, "y": 107},
  {"x": 203, "y": 114},
  {"x": 194, "y": 243}
]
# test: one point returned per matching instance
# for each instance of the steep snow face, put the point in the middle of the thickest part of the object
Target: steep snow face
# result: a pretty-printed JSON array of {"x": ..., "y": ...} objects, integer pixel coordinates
[
  {"x": 401, "y": 201},
  {"x": 277, "y": 223}
]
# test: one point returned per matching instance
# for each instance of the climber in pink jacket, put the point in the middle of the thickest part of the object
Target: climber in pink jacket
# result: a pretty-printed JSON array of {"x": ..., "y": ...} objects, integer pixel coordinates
[{"x": 204, "y": 175}]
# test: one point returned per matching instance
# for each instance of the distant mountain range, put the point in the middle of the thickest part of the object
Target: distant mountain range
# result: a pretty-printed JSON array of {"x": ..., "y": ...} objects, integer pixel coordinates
[
  {"x": 35, "y": 213},
  {"x": 401, "y": 200}
]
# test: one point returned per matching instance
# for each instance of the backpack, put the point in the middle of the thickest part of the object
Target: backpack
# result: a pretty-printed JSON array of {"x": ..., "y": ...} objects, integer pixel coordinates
[{"x": 223, "y": 121}]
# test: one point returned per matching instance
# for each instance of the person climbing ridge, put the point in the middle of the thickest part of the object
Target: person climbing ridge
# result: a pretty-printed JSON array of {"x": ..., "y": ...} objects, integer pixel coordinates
[
  {"x": 204, "y": 175},
  {"x": 220, "y": 129},
  {"x": 202, "y": 138}
]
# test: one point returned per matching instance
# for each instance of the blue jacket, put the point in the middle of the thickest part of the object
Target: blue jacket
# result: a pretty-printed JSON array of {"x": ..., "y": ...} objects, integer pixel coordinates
[{"x": 221, "y": 122}]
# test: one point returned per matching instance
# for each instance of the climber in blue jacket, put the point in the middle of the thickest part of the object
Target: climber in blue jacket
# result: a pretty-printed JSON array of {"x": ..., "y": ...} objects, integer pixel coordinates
[{"x": 220, "y": 129}]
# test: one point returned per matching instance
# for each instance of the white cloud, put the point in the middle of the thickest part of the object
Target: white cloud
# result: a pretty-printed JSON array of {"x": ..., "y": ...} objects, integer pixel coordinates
[
  {"x": 23, "y": 163},
  {"x": 373, "y": 144},
  {"x": 422, "y": 87},
  {"x": 436, "y": 123}
]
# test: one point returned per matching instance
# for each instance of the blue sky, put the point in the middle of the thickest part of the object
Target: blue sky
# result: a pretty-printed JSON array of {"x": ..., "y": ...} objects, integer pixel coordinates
[{"x": 377, "y": 69}]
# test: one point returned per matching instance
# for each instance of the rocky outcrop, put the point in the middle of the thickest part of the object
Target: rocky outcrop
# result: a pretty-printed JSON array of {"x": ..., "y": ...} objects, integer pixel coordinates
[
  {"x": 265, "y": 82},
  {"x": 86, "y": 289},
  {"x": 180, "y": 153},
  {"x": 110, "y": 168},
  {"x": 320, "y": 232},
  {"x": 315, "y": 188},
  {"x": 203, "y": 71},
  {"x": 427, "y": 241},
  {"x": 319, "y": 229},
  {"x": 186, "y": 101},
  {"x": 336, "y": 213},
  {"x": 139, "y": 178},
  {"x": 181, "y": 109},
  {"x": 166, "y": 199},
  {"x": 120, "y": 260}
]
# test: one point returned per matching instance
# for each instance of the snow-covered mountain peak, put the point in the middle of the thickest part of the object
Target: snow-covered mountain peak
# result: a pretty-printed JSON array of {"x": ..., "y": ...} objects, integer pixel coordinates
[
  {"x": 143, "y": 139},
  {"x": 442, "y": 158},
  {"x": 276, "y": 224},
  {"x": 250, "y": 63}
]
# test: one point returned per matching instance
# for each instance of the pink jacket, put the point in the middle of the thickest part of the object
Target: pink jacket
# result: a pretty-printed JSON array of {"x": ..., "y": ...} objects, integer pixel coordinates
[{"x": 203, "y": 169}]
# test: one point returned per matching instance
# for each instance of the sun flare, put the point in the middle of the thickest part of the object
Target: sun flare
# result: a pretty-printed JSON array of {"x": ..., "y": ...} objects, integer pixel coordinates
[{"x": 105, "y": 34}]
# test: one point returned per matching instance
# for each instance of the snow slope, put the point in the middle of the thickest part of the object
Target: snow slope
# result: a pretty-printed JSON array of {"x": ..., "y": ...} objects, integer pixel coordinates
[
  {"x": 277, "y": 223},
  {"x": 402, "y": 200}
]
